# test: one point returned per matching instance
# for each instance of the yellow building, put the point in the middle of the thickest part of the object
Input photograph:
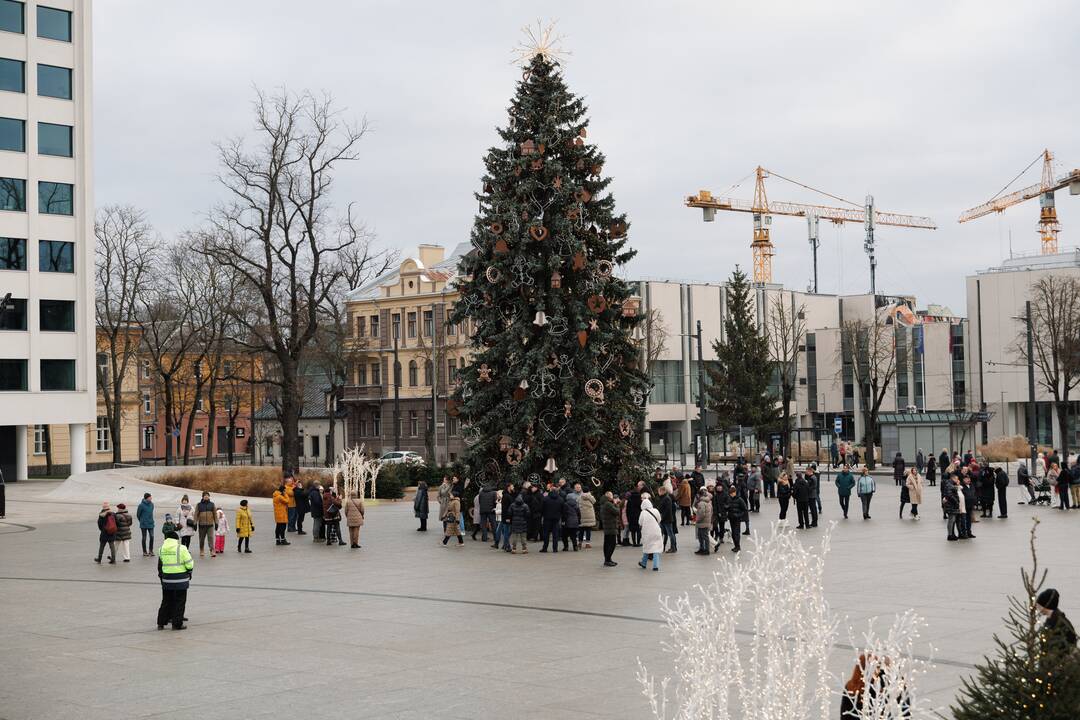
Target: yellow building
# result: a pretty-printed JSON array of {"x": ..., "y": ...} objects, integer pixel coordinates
[
  {"x": 403, "y": 314},
  {"x": 45, "y": 440}
]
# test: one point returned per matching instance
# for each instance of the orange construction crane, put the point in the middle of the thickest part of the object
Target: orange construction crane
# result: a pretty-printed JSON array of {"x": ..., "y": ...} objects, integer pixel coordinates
[
  {"x": 1044, "y": 190},
  {"x": 763, "y": 210}
]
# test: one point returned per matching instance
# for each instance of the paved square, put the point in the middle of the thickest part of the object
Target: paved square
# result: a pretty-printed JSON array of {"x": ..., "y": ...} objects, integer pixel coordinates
[{"x": 405, "y": 628}]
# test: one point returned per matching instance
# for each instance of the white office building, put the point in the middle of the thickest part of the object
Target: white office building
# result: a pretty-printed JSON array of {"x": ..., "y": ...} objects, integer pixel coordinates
[{"x": 47, "y": 373}]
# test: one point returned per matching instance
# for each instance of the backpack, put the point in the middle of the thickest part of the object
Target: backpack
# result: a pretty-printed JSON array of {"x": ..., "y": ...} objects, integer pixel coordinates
[{"x": 110, "y": 524}]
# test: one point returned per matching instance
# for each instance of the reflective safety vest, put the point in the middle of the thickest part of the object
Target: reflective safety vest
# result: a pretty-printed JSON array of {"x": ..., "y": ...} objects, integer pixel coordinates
[{"x": 174, "y": 565}]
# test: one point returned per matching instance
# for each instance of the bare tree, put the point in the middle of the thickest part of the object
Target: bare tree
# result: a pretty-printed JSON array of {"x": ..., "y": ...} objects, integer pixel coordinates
[
  {"x": 1055, "y": 319},
  {"x": 126, "y": 248},
  {"x": 168, "y": 335},
  {"x": 868, "y": 347},
  {"x": 785, "y": 327},
  {"x": 276, "y": 232},
  {"x": 656, "y": 336}
]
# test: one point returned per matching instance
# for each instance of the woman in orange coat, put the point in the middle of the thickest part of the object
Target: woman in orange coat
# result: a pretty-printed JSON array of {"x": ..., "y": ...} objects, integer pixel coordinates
[
  {"x": 281, "y": 516},
  {"x": 684, "y": 496}
]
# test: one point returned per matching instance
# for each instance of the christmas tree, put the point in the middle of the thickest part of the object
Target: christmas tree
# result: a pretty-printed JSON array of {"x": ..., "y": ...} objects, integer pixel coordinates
[
  {"x": 1034, "y": 675},
  {"x": 739, "y": 391},
  {"x": 555, "y": 387}
]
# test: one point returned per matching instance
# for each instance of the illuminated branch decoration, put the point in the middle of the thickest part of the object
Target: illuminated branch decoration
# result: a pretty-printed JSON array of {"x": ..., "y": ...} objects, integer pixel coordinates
[{"x": 357, "y": 472}]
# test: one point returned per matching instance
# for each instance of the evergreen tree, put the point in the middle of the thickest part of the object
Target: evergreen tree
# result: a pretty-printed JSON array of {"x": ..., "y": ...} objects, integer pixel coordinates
[
  {"x": 1034, "y": 675},
  {"x": 555, "y": 387},
  {"x": 739, "y": 391}
]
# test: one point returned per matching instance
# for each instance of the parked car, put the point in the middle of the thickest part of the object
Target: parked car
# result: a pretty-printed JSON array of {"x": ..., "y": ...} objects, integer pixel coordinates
[{"x": 395, "y": 457}]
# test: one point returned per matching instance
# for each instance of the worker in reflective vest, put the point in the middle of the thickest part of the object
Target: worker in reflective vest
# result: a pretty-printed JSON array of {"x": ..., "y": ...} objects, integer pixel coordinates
[{"x": 174, "y": 570}]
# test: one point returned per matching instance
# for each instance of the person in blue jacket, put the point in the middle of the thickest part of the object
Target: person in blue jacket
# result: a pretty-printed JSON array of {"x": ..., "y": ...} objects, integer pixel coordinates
[{"x": 145, "y": 515}]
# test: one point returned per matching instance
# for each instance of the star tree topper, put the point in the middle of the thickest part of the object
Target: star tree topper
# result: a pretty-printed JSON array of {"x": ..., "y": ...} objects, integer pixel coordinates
[{"x": 542, "y": 41}]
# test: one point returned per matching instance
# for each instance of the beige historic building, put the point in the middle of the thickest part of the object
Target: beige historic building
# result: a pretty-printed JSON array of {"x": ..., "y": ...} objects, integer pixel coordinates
[{"x": 401, "y": 316}]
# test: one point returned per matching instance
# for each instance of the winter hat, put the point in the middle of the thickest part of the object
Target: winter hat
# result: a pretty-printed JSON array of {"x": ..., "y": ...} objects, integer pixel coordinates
[
  {"x": 121, "y": 506},
  {"x": 168, "y": 517},
  {"x": 1048, "y": 599}
]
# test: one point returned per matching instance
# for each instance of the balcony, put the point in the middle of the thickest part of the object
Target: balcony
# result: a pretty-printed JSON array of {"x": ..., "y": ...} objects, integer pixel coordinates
[{"x": 362, "y": 392}]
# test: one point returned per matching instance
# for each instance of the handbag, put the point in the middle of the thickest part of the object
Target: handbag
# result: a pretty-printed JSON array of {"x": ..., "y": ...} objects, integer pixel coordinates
[{"x": 190, "y": 522}]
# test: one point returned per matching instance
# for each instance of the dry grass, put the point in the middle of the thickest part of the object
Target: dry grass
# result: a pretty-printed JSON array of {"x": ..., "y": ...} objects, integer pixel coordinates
[
  {"x": 1004, "y": 449},
  {"x": 243, "y": 481}
]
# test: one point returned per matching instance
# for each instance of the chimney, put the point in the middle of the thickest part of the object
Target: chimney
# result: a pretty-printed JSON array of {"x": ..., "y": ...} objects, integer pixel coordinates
[{"x": 432, "y": 255}]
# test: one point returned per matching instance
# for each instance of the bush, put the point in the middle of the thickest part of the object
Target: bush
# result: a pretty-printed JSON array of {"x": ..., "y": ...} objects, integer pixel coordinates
[{"x": 242, "y": 481}]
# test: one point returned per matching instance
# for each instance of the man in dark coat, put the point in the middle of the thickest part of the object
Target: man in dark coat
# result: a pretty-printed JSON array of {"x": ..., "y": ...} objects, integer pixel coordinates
[
  {"x": 633, "y": 514},
  {"x": 666, "y": 507},
  {"x": 697, "y": 479},
  {"x": 1023, "y": 477},
  {"x": 950, "y": 505},
  {"x": 969, "y": 504},
  {"x": 987, "y": 479},
  {"x": 943, "y": 461},
  {"x": 508, "y": 497},
  {"x": 518, "y": 516},
  {"x": 737, "y": 510},
  {"x": 610, "y": 516},
  {"x": 719, "y": 507},
  {"x": 318, "y": 525},
  {"x": 552, "y": 514},
  {"x": 302, "y": 506},
  {"x": 1001, "y": 481},
  {"x": 813, "y": 480},
  {"x": 486, "y": 506},
  {"x": 801, "y": 492},
  {"x": 535, "y": 501},
  {"x": 1058, "y": 633}
]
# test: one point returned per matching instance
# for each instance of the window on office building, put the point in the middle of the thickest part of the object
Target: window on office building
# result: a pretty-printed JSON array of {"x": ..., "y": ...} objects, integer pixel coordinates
[
  {"x": 57, "y": 315},
  {"x": 56, "y": 256},
  {"x": 39, "y": 439},
  {"x": 12, "y": 254},
  {"x": 54, "y": 81},
  {"x": 12, "y": 374},
  {"x": 148, "y": 438},
  {"x": 53, "y": 23},
  {"x": 13, "y": 316},
  {"x": 104, "y": 439},
  {"x": 57, "y": 374},
  {"x": 12, "y": 75},
  {"x": 13, "y": 194},
  {"x": 667, "y": 381},
  {"x": 12, "y": 134},
  {"x": 54, "y": 140},
  {"x": 12, "y": 16},
  {"x": 56, "y": 198}
]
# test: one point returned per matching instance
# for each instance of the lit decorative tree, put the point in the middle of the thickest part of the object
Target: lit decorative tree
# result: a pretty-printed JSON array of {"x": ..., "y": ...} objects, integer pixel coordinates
[
  {"x": 780, "y": 671},
  {"x": 556, "y": 383},
  {"x": 891, "y": 670},
  {"x": 357, "y": 471}
]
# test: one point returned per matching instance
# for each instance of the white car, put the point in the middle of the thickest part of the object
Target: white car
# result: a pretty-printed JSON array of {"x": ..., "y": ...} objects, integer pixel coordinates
[{"x": 395, "y": 457}]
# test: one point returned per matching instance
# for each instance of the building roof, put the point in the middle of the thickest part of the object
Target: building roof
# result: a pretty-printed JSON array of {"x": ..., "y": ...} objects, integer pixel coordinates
[
  {"x": 1037, "y": 261},
  {"x": 314, "y": 407},
  {"x": 444, "y": 271},
  {"x": 928, "y": 418}
]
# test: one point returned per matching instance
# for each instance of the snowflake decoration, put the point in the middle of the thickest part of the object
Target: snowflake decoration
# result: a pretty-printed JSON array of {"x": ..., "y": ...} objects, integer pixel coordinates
[{"x": 540, "y": 41}]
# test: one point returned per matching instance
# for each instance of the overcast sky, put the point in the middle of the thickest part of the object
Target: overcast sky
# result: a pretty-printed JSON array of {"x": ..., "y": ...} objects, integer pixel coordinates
[{"x": 930, "y": 106}]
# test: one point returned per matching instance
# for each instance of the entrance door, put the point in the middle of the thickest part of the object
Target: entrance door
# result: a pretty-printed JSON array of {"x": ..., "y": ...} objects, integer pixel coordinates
[
  {"x": 221, "y": 442},
  {"x": 7, "y": 452}
]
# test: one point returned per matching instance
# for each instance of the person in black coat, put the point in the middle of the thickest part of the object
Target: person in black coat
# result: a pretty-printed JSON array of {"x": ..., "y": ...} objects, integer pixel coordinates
[
  {"x": 420, "y": 505},
  {"x": 318, "y": 526},
  {"x": 987, "y": 478},
  {"x": 666, "y": 507},
  {"x": 898, "y": 467},
  {"x": 943, "y": 460},
  {"x": 503, "y": 529},
  {"x": 1023, "y": 477},
  {"x": 633, "y": 514},
  {"x": 801, "y": 493},
  {"x": 486, "y": 499},
  {"x": 737, "y": 511},
  {"x": 518, "y": 514},
  {"x": 719, "y": 508},
  {"x": 931, "y": 470},
  {"x": 300, "y": 496},
  {"x": 1001, "y": 481},
  {"x": 969, "y": 505},
  {"x": 535, "y": 501},
  {"x": 552, "y": 514}
]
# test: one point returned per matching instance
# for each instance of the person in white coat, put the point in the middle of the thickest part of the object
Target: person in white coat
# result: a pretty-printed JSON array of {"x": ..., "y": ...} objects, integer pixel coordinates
[
  {"x": 652, "y": 539},
  {"x": 185, "y": 519}
]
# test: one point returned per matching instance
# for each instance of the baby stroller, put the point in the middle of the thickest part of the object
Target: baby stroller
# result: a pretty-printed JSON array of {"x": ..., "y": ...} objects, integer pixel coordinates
[{"x": 1043, "y": 492}]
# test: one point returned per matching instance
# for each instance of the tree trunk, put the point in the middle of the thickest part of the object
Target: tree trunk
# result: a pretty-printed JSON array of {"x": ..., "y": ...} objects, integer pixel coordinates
[
  {"x": 190, "y": 428},
  {"x": 211, "y": 430},
  {"x": 868, "y": 440},
  {"x": 331, "y": 437},
  {"x": 786, "y": 432},
  {"x": 1063, "y": 427},
  {"x": 290, "y": 427},
  {"x": 169, "y": 437},
  {"x": 229, "y": 449}
]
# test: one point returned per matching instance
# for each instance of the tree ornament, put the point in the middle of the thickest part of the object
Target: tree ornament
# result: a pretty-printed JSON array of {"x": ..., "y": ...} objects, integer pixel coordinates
[
  {"x": 513, "y": 456},
  {"x": 591, "y": 442},
  {"x": 536, "y": 164},
  {"x": 611, "y": 383},
  {"x": 501, "y": 248},
  {"x": 517, "y": 171},
  {"x": 594, "y": 388},
  {"x": 579, "y": 261},
  {"x": 519, "y": 391},
  {"x": 550, "y": 466},
  {"x": 528, "y": 147},
  {"x": 630, "y": 307},
  {"x": 453, "y": 407},
  {"x": 504, "y": 442},
  {"x": 496, "y": 228},
  {"x": 538, "y": 233},
  {"x": 604, "y": 268},
  {"x": 558, "y": 326},
  {"x": 557, "y": 182},
  {"x": 484, "y": 373},
  {"x": 541, "y": 318},
  {"x": 556, "y": 280},
  {"x": 596, "y": 304},
  {"x": 567, "y": 408},
  {"x": 553, "y": 423},
  {"x": 582, "y": 195},
  {"x": 582, "y": 132},
  {"x": 580, "y": 164},
  {"x": 521, "y": 272},
  {"x": 573, "y": 213},
  {"x": 582, "y": 337},
  {"x": 617, "y": 229},
  {"x": 492, "y": 274},
  {"x": 594, "y": 324},
  {"x": 597, "y": 169}
]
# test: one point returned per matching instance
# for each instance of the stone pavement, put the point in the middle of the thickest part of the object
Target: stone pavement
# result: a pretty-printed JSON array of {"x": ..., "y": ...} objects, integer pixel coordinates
[{"x": 405, "y": 628}]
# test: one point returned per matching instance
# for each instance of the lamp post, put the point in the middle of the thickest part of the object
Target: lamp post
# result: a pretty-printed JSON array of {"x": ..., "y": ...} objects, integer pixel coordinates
[
  {"x": 703, "y": 424},
  {"x": 397, "y": 387}
]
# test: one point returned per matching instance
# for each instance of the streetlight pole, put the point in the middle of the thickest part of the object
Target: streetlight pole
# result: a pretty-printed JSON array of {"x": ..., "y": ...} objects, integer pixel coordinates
[
  {"x": 703, "y": 425},
  {"x": 397, "y": 390},
  {"x": 1031, "y": 385}
]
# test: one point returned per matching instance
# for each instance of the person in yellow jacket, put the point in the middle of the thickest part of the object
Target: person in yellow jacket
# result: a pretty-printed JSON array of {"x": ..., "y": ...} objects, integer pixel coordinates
[
  {"x": 290, "y": 501},
  {"x": 281, "y": 516},
  {"x": 245, "y": 526},
  {"x": 174, "y": 570}
]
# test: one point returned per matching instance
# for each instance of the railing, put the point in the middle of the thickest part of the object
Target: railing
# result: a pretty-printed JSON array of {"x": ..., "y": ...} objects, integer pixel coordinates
[{"x": 363, "y": 392}]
